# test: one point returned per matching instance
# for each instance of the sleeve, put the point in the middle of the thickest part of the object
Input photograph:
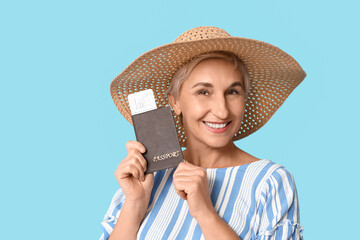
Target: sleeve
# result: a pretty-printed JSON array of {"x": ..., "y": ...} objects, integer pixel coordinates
[
  {"x": 112, "y": 214},
  {"x": 280, "y": 217}
]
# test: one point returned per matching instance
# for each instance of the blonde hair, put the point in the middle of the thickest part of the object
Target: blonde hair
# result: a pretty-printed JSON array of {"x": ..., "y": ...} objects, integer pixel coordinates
[{"x": 184, "y": 71}]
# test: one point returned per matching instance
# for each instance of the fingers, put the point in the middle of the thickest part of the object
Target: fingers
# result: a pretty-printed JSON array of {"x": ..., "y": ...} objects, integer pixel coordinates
[
  {"x": 189, "y": 179},
  {"x": 134, "y": 164},
  {"x": 188, "y": 169},
  {"x": 135, "y": 149},
  {"x": 187, "y": 184},
  {"x": 180, "y": 187},
  {"x": 135, "y": 146},
  {"x": 135, "y": 169},
  {"x": 130, "y": 168},
  {"x": 187, "y": 166},
  {"x": 137, "y": 157}
]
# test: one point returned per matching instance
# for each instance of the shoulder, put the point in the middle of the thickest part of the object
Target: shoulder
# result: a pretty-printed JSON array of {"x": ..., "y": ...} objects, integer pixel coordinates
[
  {"x": 263, "y": 168},
  {"x": 264, "y": 173},
  {"x": 280, "y": 174},
  {"x": 251, "y": 177},
  {"x": 268, "y": 168},
  {"x": 279, "y": 181}
]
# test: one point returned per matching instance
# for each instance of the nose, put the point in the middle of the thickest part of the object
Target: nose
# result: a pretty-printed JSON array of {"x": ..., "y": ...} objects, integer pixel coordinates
[{"x": 220, "y": 107}]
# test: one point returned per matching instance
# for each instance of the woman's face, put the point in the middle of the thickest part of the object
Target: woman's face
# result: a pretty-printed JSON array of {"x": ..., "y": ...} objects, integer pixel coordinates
[{"x": 212, "y": 103}]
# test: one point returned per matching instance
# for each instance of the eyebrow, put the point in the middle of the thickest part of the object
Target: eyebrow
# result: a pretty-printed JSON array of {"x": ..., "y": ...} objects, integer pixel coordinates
[
  {"x": 235, "y": 84},
  {"x": 205, "y": 84}
]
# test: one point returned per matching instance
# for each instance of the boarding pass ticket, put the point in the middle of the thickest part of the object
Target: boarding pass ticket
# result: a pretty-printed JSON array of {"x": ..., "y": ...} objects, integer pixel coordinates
[{"x": 142, "y": 101}]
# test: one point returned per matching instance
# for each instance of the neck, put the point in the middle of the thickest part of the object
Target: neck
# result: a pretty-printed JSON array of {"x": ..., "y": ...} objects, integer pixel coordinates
[{"x": 207, "y": 157}]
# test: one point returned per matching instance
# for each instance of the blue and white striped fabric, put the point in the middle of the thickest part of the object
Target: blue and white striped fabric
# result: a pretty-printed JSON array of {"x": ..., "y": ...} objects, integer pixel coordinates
[{"x": 257, "y": 200}]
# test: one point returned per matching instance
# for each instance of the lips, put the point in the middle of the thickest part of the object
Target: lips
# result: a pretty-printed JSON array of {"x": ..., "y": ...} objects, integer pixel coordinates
[{"x": 217, "y": 127}]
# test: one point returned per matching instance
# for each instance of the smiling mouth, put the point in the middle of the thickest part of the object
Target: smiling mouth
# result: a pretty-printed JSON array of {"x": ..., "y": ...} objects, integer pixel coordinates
[{"x": 216, "y": 125}]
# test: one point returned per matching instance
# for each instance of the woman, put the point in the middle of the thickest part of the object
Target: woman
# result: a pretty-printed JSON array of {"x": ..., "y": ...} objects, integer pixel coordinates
[{"x": 221, "y": 88}]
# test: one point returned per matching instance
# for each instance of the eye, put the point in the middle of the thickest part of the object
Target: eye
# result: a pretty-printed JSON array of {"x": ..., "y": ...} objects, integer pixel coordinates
[
  {"x": 203, "y": 92},
  {"x": 233, "y": 92}
]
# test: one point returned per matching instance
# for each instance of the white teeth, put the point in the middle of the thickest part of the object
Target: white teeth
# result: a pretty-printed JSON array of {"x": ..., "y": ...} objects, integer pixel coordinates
[{"x": 217, "y": 125}]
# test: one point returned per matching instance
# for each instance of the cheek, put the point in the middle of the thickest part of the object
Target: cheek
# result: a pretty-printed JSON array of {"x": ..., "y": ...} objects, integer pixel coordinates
[
  {"x": 194, "y": 109},
  {"x": 239, "y": 111},
  {"x": 237, "y": 108}
]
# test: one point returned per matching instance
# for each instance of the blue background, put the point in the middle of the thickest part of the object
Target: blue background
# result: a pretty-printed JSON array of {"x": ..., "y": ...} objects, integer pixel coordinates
[{"x": 61, "y": 136}]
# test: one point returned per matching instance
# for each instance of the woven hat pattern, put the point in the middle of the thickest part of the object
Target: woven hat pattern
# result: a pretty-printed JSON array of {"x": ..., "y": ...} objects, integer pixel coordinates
[{"x": 273, "y": 74}]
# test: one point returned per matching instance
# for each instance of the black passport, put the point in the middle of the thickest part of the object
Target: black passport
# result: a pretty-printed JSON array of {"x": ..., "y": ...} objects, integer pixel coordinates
[{"x": 156, "y": 130}]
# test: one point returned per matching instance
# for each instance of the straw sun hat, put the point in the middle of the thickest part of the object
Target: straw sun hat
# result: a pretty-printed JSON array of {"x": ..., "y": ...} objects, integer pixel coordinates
[{"x": 273, "y": 74}]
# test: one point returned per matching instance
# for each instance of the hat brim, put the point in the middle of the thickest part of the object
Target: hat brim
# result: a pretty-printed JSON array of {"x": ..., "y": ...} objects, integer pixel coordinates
[{"x": 273, "y": 74}]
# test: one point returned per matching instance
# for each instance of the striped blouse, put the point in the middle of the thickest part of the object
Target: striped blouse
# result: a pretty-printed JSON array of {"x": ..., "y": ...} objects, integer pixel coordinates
[{"x": 257, "y": 200}]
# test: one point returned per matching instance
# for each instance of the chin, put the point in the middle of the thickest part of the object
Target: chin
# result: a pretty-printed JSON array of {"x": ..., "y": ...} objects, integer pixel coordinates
[{"x": 217, "y": 143}]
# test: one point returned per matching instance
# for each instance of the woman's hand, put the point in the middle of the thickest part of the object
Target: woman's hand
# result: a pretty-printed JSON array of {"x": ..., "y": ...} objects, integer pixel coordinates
[
  {"x": 191, "y": 184},
  {"x": 137, "y": 189},
  {"x": 130, "y": 175}
]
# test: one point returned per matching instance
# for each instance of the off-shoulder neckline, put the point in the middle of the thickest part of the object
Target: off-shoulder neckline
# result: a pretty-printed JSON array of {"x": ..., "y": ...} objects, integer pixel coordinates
[{"x": 243, "y": 165}]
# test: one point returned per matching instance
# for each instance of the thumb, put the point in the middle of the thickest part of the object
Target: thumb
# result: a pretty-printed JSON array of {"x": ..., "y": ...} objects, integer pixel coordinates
[
  {"x": 182, "y": 194},
  {"x": 149, "y": 180}
]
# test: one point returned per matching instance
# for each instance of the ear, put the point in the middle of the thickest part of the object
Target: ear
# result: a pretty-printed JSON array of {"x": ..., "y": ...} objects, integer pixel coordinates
[{"x": 175, "y": 104}]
